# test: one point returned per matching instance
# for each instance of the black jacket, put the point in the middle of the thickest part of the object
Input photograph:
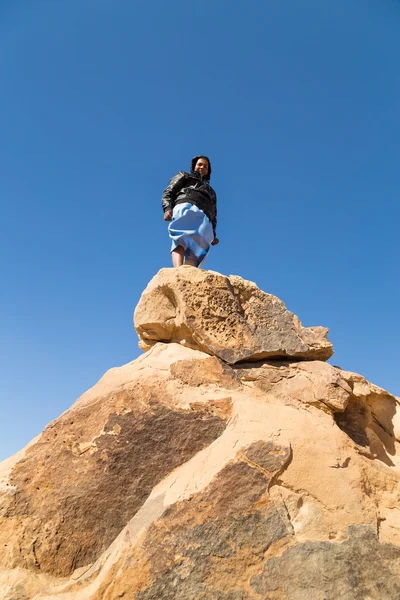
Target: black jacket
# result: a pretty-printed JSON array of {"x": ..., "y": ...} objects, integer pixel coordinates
[{"x": 190, "y": 187}]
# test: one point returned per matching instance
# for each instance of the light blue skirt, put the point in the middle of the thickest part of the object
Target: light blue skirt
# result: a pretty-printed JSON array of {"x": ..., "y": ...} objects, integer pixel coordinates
[{"x": 191, "y": 229}]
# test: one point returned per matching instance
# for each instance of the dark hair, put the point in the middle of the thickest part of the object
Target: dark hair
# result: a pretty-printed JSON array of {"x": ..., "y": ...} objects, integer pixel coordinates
[{"x": 194, "y": 162}]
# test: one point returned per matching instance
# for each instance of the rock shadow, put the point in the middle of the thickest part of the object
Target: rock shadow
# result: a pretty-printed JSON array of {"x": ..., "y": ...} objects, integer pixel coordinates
[{"x": 369, "y": 423}]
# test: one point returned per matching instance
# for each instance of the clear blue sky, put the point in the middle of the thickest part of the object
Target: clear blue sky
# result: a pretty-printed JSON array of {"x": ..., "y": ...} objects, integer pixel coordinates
[{"x": 102, "y": 101}]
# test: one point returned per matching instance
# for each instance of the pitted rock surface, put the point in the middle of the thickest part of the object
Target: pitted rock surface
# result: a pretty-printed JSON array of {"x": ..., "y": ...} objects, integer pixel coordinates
[{"x": 224, "y": 316}]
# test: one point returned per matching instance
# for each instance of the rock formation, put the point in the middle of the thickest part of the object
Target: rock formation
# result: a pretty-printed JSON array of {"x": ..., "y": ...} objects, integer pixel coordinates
[
  {"x": 228, "y": 462},
  {"x": 226, "y": 317}
]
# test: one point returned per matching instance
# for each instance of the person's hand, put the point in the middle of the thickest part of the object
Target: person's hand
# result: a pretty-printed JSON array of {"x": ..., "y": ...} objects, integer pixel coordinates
[
  {"x": 215, "y": 241},
  {"x": 168, "y": 215}
]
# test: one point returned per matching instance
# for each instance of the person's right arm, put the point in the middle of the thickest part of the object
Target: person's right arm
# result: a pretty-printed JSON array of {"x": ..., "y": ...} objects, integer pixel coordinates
[{"x": 170, "y": 194}]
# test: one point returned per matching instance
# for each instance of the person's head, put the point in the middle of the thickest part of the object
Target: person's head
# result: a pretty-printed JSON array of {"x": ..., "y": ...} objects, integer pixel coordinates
[{"x": 201, "y": 164}]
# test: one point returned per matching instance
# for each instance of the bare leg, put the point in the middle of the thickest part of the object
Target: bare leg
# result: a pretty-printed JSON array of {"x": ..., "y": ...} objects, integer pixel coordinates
[{"x": 177, "y": 256}]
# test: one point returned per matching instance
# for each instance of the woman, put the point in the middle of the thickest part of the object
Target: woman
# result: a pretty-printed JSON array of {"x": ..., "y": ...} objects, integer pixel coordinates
[{"x": 190, "y": 203}]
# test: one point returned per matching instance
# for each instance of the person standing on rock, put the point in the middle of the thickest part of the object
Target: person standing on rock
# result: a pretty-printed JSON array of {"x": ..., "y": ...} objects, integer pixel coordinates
[{"x": 190, "y": 203}]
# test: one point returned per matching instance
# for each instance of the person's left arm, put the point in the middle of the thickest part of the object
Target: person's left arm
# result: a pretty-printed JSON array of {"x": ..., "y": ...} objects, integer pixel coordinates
[{"x": 214, "y": 222}]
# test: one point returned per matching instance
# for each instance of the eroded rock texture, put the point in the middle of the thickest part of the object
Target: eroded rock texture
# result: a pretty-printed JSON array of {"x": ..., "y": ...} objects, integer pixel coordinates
[
  {"x": 207, "y": 545},
  {"x": 326, "y": 570},
  {"x": 93, "y": 468},
  {"x": 179, "y": 476},
  {"x": 225, "y": 316}
]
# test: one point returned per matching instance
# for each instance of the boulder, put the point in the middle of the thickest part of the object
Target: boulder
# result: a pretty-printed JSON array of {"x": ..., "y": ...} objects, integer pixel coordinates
[{"x": 227, "y": 317}]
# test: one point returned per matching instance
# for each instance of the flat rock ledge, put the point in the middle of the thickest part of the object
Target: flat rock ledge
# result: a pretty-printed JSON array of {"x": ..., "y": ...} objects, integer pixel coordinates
[{"x": 227, "y": 317}]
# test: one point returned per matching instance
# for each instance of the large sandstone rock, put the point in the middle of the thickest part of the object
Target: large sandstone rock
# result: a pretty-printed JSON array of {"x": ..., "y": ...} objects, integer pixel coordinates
[
  {"x": 179, "y": 477},
  {"x": 91, "y": 469},
  {"x": 227, "y": 317}
]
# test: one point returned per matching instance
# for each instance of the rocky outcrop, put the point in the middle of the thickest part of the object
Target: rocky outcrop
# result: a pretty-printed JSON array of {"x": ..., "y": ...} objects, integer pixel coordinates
[
  {"x": 94, "y": 467},
  {"x": 179, "y": 477},
  {"x": 226, "y": 317}
]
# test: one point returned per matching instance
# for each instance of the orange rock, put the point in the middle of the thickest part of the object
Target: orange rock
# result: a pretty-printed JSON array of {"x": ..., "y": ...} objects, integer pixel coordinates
[
  {"x": 178, "y": 476},
  {"x": 226, "y": 317}
]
